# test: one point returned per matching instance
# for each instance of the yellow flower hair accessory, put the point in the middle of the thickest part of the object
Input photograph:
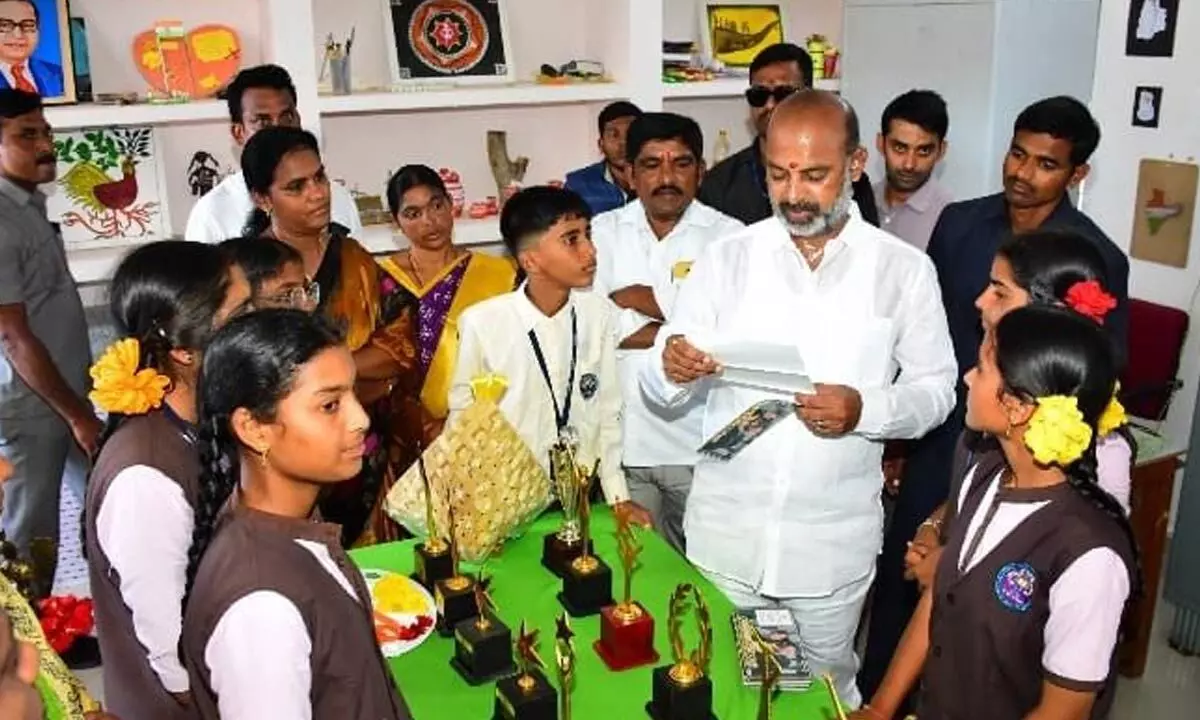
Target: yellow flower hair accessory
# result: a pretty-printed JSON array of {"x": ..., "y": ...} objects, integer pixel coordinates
[
  {"x": 489, "y": 387},
  {"x": 1113, "y": 416},
  {"x": 1057, "y": 434},
  {"x": 120, "y": 387}
]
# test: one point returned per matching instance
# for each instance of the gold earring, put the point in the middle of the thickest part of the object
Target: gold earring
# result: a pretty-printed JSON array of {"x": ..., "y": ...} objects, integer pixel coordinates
[
  {"x": 262, "y": 455},
  {"x": 1007, "y": 430}
]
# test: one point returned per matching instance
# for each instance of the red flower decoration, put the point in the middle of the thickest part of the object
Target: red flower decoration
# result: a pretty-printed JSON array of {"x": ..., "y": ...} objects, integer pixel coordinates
[
  {"x": 64, "y": 619},
  {"x": 1090, "y": 300}
]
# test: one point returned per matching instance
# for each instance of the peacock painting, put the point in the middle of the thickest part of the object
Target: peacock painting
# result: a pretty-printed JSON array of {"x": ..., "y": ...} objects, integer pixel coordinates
[{"x": 107, "y": 187}]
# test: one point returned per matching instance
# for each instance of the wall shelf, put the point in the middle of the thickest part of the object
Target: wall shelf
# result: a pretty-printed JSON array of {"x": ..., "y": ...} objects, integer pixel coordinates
[
  {"x": 85, "y": 115},
  {"x": 470, "y": 97},
  {"x": 727, "y": 87}
]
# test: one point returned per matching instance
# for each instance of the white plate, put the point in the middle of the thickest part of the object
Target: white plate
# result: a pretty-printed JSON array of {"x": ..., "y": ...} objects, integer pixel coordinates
[{"x": 400, "y": 647}]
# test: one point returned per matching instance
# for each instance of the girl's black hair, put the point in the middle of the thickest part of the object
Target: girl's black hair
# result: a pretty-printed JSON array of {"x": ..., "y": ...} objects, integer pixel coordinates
[
  {"x": 251, "y": 363},
  {"x": 1045, "y": 350},
  {"x": 260, "y": 158},
  {"x": 409, "y": 177},
  {"x": 165, "y": 295},
  {"x": 261, "y": 258},
  {"x": 1047, "y": 263}
]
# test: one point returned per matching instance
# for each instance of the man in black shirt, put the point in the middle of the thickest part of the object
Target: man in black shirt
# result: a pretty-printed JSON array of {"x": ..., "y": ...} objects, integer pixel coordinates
[
  {"x": 1052, "y": 142},
  {"x": 737, "y": 185}
]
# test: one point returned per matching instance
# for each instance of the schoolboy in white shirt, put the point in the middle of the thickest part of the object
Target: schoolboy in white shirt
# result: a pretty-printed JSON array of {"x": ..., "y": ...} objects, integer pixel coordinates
[{"x": 554, "y": 346}]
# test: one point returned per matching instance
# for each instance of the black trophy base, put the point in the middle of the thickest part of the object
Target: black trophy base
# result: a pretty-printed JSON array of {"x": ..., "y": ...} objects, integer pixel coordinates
[
  {"x": 455, "y": 598},
  {"x": 514, "y": 702},
  {"x": 558, "y": 555},
  {"x": 675, "y": 702},
  {"x": 431, "y": 567},
  {"x": 482, "y": 654},
  {"x": 587, "y": 590}
]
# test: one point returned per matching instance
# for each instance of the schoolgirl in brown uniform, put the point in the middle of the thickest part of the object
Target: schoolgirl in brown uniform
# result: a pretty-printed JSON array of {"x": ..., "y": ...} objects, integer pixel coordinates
[
  {"x": 166, "y": 299},
  {"x": 1023, "y": 616},
  {"x": 278, "y": 621}
]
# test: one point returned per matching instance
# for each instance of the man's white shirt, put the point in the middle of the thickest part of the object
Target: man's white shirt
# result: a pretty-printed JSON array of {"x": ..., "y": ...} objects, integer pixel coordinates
[
  {"x": 223, "y": 211},
  {"x": 629, "y": 253},
  {"x": 793, "y": 514}
]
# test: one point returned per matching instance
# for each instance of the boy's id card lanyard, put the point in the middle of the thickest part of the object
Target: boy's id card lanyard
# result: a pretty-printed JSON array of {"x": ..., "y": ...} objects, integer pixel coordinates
[{"x": 562, "y": 416}]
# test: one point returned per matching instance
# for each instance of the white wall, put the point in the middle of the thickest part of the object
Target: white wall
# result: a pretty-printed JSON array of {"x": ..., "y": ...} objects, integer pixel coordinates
[{"x": 1109, "y": 194}]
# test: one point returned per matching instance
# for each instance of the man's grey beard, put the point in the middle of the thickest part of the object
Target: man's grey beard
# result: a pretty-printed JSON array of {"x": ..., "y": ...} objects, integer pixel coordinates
[{"x": 822, "y": 223}]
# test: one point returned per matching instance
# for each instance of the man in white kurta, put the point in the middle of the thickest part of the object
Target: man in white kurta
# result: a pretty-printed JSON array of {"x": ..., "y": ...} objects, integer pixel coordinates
[
  {"x": 794, "y": 519},
  {"x": 644, "y": 252}
]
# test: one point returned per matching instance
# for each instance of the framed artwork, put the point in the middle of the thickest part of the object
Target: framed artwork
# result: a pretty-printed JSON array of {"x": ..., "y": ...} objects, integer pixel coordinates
[
  {"x": 1150, "y": 28},
  {"x": 82, "y": 63},
  {"x": 735, "y": 31},
  {"x": 1164, "y": 211},
  {"x": 464, "y": 41},
  {"x": 1147, "y": 106},
  {"x": 109, "y": 188},
  {"x": 35, "y": 49}
]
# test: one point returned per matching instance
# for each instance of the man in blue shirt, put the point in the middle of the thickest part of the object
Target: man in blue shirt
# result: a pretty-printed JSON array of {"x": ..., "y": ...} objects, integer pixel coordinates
[
  {"x": 1052, "y": 142},
  {"x": 605, "y": 185}
]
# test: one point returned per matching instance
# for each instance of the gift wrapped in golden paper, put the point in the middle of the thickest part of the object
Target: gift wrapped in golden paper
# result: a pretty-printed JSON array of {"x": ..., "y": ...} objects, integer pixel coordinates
[{"x": 486, "y": 470}]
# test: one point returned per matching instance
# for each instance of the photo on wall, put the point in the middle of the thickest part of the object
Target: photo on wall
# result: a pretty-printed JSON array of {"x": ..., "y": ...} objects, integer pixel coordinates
[
  {"x": 1147, "y": 106},
  {"x": 1150, "y": 30},
  {"x": 735, "y": 32},
  {"x": 464, "y": 41},
  {"x": 1164, "y": 211},
  {"x": 35, "y": 49}
]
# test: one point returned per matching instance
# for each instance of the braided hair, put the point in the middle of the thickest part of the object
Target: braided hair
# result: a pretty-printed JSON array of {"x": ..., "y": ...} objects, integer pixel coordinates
[
  {"x": 1043, "y": 351},
  {"x": 260, "y": 159},
  {"x": 165, "y": 295},
  {"x": 250, "y": 365}
]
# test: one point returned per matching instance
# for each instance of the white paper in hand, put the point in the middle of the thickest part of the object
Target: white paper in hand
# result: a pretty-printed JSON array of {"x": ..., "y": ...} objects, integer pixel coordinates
[{"x": 768, "y": 366}]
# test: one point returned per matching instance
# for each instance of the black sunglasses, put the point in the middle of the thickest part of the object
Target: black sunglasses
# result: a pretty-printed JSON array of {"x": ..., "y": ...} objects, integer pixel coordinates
[{"x": 757, "y": 95}]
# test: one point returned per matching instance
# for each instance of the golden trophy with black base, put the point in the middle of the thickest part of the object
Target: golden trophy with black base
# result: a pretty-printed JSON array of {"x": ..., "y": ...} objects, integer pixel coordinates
[
  {"x": 683, "y": 691},
  {"x": 528, "y": 695},
  {"x": 564, "y": 656},
  {"x": 627, "y": 628},
  {"x": 587, "y": 584},
  {"x": 562, "y": 546},
  {"x": 455, "y": 595},
  {"x": 431, "y": 559},
  {"x": 483, "y": 645}
]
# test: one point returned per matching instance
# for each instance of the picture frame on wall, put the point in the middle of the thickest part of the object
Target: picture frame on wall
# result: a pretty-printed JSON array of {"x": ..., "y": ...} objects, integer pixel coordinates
[
  {"x": 459, "y": 42},
  {"x": 735, "y": 31},
  {"x": 35, "y": 49}
]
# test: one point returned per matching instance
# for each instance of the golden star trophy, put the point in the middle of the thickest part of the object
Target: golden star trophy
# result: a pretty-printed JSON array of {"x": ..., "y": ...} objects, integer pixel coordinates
[
  {"x": 627, "y": 628},
  {"x": 562, "y": 546},
  {"x": 839, "y": 711},
  {"x": 483, "y": 644},
  {"x": 771, "y": 672},
  {"x": 455, "y": 595},
  {"x": 683, "y": 691},
  {"x": 564, "y": 656},
  {"x": 432, "y": 559},
  {"x": 528, "y": 695},
  {"x": 587, "y": 586}
]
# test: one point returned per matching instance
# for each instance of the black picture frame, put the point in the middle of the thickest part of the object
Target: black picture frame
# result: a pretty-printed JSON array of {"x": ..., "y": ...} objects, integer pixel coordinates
[
  {"x": 473, "y": 50},
  {"x": 1150, "y": 28},
  {"x": 1147, "y": 106}
]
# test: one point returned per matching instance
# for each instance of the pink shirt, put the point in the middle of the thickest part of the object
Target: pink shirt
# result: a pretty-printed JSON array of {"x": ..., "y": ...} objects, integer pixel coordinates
[{"x": 1114, "y": 464}]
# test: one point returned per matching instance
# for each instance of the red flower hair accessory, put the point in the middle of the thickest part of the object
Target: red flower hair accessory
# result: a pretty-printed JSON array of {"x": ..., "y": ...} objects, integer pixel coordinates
[{"x": 1089, "y": 299}]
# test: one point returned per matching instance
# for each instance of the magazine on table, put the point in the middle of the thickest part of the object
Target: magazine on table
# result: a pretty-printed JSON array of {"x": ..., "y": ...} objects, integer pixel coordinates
[{"x": 778, "y": 628}]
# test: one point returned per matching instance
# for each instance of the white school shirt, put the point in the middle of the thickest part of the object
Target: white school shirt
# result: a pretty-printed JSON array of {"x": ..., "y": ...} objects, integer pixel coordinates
[
  {"x": 493, "y": 337},
  {"x": 629, "y": 253},
  {"x": 222, "y": 212},
  {"x": 793, "y": 514}
]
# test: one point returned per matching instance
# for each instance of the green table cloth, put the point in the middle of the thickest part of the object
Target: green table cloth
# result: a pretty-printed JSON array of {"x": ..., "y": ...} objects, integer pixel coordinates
[{"x": 523, "y": 589}]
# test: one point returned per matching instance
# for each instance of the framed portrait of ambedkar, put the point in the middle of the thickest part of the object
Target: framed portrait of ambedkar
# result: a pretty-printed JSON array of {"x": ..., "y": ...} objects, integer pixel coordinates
[
  {"x": 462, "y": 42},
  {"x": 35, "y": 49}
]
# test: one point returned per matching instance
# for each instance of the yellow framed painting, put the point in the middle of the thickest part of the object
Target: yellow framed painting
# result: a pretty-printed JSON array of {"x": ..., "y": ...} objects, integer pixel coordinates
[{"x": 735, "y": 32}]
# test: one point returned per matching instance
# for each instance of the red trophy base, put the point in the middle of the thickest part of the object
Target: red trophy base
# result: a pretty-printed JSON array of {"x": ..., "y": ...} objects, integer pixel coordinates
[{"x": 626, "y": 637}]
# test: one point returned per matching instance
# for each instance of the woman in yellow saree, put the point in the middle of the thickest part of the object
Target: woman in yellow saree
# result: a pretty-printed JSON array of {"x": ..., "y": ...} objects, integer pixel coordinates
[
  {"x": 287, "y": 180},
  {"x": 443, "y": 278}
]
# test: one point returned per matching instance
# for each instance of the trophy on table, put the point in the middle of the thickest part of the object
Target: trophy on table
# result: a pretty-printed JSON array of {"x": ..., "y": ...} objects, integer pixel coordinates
[
  {"x": 587, "y": 585},
  {"x": 771, "y": 672},
  {"x": 432, "y": 558},
  {"x": 564, "y": 656},
  {"x": 528, "y": 695},
  {"x": 839, "y": 712},
  {"x": 454, "y": 595},
  {"x": 683, "y": 691},
  {"x": 627, "y": 628},
  {"x": 562, "y": 546},
  {"x": 483, "y": 644}
]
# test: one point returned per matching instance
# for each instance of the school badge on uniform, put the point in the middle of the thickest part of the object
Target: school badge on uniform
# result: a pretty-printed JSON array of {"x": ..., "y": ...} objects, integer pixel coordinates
[
  {"x": 588, "y": 385},
  {"x": 1015, "y": 584}
]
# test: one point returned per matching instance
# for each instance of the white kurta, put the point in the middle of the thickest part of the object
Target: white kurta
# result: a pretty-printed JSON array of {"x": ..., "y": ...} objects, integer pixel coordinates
[
  {"x": 796, "y": 515},
  {"x": 629, "y": 253}
]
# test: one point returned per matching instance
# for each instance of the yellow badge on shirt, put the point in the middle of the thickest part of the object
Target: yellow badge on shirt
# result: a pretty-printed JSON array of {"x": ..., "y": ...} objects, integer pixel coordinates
[{"x": 681, "y": 269}]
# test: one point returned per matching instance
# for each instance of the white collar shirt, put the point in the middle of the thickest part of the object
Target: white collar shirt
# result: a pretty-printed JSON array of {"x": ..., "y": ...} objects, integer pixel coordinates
[
  {"x": 628, "y": 254},
  {"x": 494, "y": 338},
  {"x": 793, "y": 514},
  {"x": 222, "y": 212}
]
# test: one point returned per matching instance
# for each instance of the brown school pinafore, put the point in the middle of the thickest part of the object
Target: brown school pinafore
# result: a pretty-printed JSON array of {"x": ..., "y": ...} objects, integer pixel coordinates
[
  {"x": 160, "y": 440},
  {"x": 986, "y": 631},
  {"x": 253, "y": 551}
]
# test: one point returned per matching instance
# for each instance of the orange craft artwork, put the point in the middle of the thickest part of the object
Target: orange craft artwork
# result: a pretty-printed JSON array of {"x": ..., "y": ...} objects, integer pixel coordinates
[{"x": 199, "y": 64}]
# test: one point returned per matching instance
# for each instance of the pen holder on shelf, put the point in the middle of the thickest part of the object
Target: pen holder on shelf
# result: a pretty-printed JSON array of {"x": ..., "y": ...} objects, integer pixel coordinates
[{"x": 339, "y": 71}]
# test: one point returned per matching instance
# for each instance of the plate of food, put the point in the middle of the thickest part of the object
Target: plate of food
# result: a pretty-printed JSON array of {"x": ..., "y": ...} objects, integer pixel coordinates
[{"x": 404, "y": 612}]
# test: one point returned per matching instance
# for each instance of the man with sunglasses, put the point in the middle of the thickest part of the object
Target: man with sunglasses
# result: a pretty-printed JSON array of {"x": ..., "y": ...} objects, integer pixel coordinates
[{"x": 737, "y": 185}]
